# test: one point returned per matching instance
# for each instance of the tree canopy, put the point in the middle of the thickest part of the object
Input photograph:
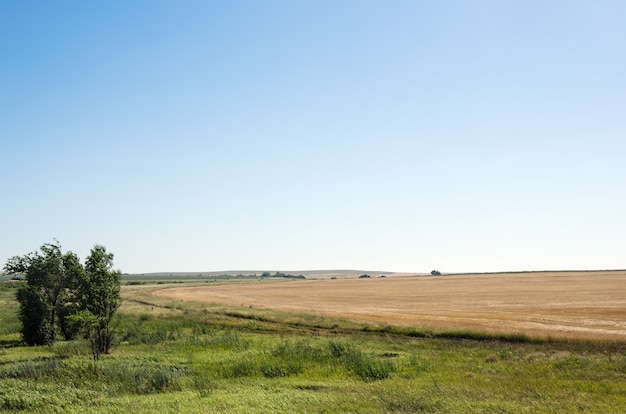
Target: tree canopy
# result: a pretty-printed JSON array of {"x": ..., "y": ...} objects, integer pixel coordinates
[{"x": 60, "y": 295}]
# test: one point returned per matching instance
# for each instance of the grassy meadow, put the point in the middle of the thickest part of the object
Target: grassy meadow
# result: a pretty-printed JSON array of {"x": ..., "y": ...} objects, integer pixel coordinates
[{"x": 191, "y": 357}]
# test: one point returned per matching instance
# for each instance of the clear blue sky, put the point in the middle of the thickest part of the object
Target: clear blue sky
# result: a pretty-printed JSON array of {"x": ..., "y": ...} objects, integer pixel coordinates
[{"x": 292, "y": 135}]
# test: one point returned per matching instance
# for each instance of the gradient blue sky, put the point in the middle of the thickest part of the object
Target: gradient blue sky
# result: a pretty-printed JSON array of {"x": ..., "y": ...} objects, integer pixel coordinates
[{"x": 294, "y": 135}]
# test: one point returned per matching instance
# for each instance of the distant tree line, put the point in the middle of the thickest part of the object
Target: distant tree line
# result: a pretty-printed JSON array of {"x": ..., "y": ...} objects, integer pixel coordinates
[
  {"x": 61, "y": 296},
  {"x": 283, "y": 275}
]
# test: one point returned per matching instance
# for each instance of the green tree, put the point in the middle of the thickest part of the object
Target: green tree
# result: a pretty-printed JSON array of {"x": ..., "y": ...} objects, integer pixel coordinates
[
  {"x": 98, "y": 298},
  {"x": 48, "y": 276},
  {"x": 59, "y": 294},
  {"x": 35, "y": 326}
]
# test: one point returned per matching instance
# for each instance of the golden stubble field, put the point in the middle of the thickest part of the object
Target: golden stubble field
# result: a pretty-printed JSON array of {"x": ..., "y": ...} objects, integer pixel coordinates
[{"x": 554, "y": 304}]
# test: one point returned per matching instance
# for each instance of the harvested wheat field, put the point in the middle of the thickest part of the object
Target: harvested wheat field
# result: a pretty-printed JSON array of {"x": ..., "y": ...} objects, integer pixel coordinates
[{"x": 541, "y": 304}]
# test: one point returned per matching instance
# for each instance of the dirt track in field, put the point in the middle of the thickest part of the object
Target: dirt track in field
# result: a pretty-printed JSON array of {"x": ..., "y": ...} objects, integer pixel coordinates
[{"x": 556, "y": 304}]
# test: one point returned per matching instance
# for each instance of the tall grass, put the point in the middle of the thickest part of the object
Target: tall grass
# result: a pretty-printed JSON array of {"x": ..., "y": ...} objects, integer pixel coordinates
[
  {"x": 123, "y": 377},
  {"x": 9, "y": 322},
  {"x": 365, "y": 366},
  {"x": 210, "y": 359},
  {"x": 36, "y": 369}
]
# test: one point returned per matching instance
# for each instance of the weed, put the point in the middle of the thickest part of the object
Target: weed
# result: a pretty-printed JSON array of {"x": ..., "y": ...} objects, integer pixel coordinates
[
  {"x": 337, "y": 349},
  {"x": 32, "y": 369},
  {"x": 280, "y": 368},
  {"x": 418, "y": 364},
  {"x": 69, "y": 349},
  {"x": 368, "y": 367},
  {"x": 141, "y": 379},
  {"x": 14, "y": 402},
  {"x": 300, "y": 351}
]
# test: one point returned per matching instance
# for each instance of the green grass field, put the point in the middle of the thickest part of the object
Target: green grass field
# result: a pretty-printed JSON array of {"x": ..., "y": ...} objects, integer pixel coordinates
[{"x": 187, "y": 357}]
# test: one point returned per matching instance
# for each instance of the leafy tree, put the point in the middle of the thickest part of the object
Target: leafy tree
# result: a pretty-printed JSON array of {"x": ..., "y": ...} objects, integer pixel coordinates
[
  {"x": 59, "y": 294},
  {"x": 98, "y": 296},
  {"x": 69, "y": 303},
  {"x": 48, "y": 276},
  {"x": 35, "y": 327},
  {"x": 85, "y": 322}
]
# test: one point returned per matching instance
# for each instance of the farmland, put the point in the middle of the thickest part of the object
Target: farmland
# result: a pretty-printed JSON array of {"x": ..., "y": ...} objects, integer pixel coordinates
[
  {"x": 208, "y": 355},
  {"x": 541, "y": 304}
]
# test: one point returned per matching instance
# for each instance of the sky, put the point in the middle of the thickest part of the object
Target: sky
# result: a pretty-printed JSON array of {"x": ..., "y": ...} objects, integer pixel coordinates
[{"x": 462, "y": 136}]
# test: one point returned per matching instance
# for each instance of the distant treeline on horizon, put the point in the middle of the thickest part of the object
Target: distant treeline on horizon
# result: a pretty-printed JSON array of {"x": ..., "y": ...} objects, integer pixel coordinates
[{"x": 211, "y": 276}]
